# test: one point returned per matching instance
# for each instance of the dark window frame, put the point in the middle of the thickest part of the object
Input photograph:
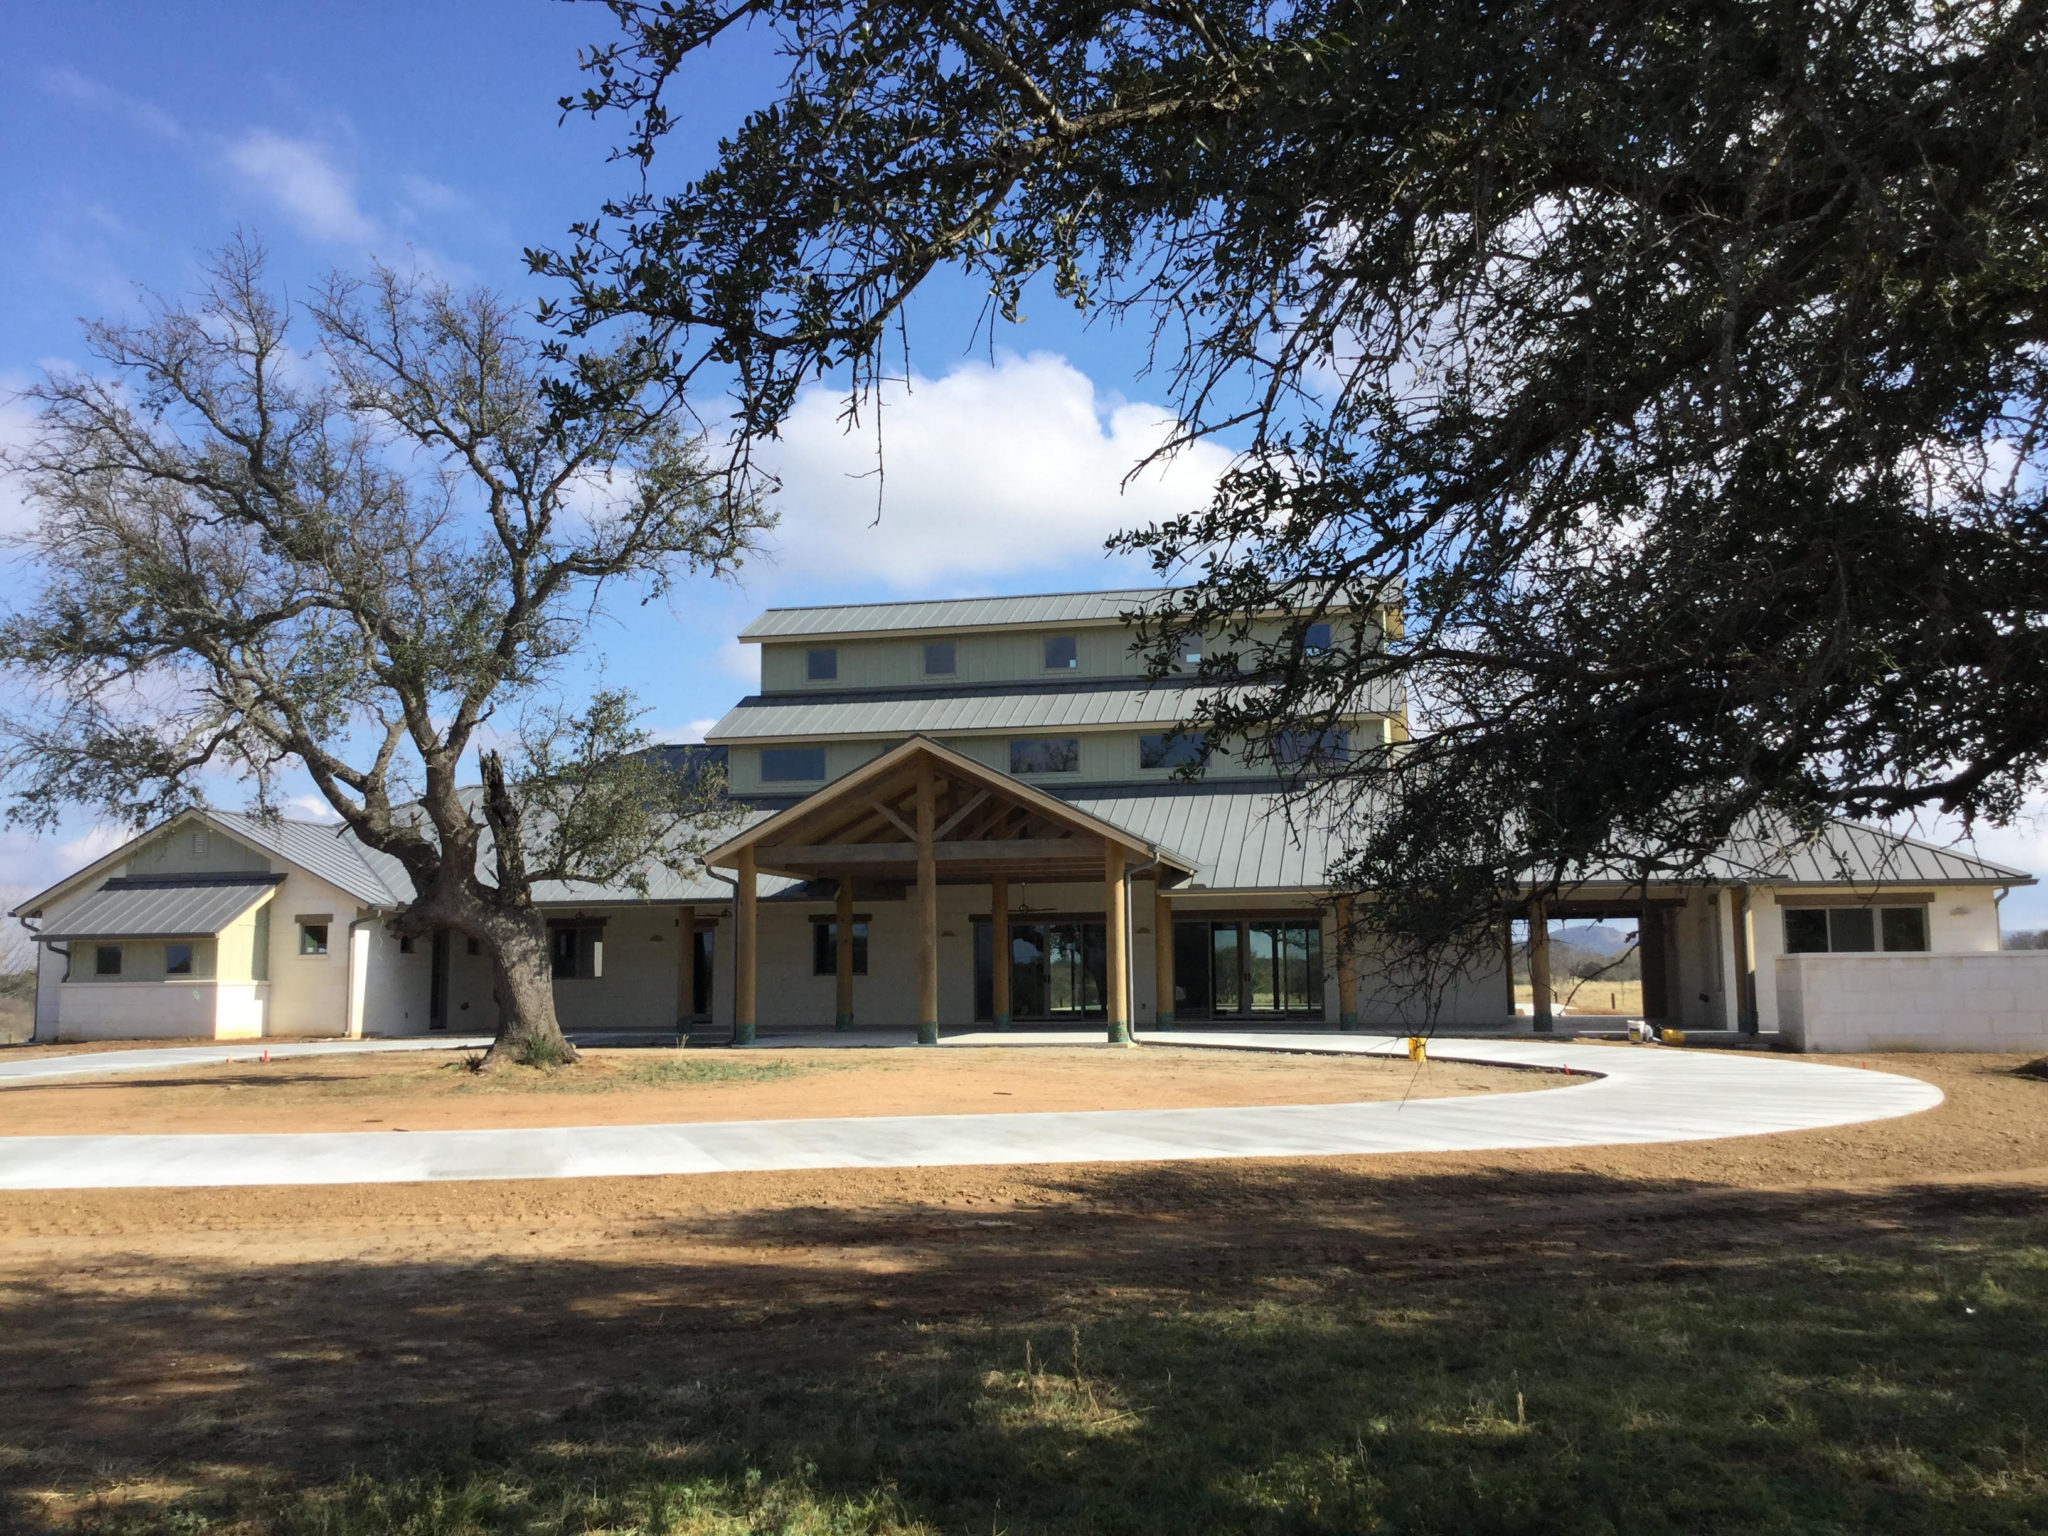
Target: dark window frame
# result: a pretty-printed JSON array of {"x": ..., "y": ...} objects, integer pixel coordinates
[
  {"x": 313, "y": 940},
  {"x": 576, "y": 951},
  {"x": 1067, "y": 646},
  {"x": 1168, "y": 750},
  {"x": 1023, "y": 747},
  {"x": 934, "y": 649},
  {"x": 825, "y": 945},
  {"x": 171, "y": 956},
  {"x": 1832, "y": 930},
  {"x": 808, "y": 756},
  {"x": 99, "y": 959},
  {"x": 821, "y": 664}
]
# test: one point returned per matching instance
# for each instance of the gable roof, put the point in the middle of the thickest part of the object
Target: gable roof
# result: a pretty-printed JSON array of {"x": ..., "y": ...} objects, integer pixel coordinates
[{"x": 856, "y": 790}]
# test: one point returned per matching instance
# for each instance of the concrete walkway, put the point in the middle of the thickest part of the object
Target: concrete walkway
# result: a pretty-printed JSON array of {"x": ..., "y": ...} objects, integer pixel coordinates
[{"x": 1642, "y": 1094}]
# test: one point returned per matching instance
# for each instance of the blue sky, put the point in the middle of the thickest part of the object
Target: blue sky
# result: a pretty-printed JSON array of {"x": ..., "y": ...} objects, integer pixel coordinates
[{"x": 137, "y": 136}]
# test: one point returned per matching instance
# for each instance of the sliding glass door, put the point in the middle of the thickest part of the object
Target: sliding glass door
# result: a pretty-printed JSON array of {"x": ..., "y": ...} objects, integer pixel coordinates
[
  {"x": 1058, "y": 969},
  {"x": 1248, "y": 968}
]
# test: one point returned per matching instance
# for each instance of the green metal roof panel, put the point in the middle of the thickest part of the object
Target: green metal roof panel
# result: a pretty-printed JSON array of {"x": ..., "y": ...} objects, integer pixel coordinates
[
  {"x": 950, "y": 613},
  {"x": 186, "y": 907},
  {"x": 928, "y": 712}
]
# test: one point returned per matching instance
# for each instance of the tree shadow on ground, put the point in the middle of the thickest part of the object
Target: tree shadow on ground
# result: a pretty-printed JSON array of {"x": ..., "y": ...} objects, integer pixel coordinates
[{"x": 1557, "y": 1353}]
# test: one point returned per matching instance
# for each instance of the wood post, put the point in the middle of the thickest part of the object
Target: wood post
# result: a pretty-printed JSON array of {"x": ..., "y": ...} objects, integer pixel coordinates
[
  {"x": 1539, "y": 967},
  {"x": 1507, "y": 960},
  {"x": 1162, "y": 955},
  {"x": 843, "y": 951},
  {"x": 999, "y": 950},
  {"x": 927, "y": 912},
  {"x": 743, "y": 949},
  {"x": 1347, "y": 973},
  {"x": 1116, "y": 916},
  {"x": 686, "y": 968}
]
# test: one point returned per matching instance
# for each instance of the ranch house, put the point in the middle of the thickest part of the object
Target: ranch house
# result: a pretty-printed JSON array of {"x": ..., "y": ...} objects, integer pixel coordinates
[{"x": 961, "y": 812}]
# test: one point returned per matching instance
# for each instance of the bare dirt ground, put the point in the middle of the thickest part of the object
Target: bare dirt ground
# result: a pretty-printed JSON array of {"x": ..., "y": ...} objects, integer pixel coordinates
[
  {"x": 417, "y": 1092},
  {"x": 172, "y": 1337}
]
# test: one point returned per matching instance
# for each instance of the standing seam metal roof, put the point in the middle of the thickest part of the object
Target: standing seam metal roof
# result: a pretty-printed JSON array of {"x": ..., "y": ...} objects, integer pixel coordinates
[
  {"x": 925, "y": 713},
  {"x": 192, "y": 907},
  {"x": 951, "y": 613}
]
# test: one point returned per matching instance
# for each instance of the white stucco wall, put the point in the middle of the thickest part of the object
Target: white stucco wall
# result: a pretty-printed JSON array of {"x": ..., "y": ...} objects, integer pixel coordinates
[
  {"x": 1960, "y": 920},
  {"x": 1981, "y": 1001}
]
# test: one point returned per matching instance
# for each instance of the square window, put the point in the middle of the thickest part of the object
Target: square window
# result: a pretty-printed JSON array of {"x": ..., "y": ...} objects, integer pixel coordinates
[
  {"x": 1852, "y": 930},
  {"x": 577, "y": 952},
  {"x": 312, "y": 938},
  {"x": 1311, "y": 749},
  {"x": 825, "y": 947},
  {"x": 1172, "y": 750},
  {"x": 106, "y": 960},
  {"x": 1315, "y": 639},
  {"x": 938, "y": 658},
  {"x": 1062, "y": 652},
  {"x": 177, "y": 959},
  {"x": 821, "y": 664},
  {"x": 1806, "y": 931},
  {"x": 792, "y": 765},
  {"x": 1046, "y": 754},
  {"x": 1903, "y": 928}
]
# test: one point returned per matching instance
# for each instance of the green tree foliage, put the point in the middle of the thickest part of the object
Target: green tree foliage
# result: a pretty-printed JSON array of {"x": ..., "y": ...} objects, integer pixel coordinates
[
  {"x": 364, "y": 561},
  {"x": 1675, "y": 371}
]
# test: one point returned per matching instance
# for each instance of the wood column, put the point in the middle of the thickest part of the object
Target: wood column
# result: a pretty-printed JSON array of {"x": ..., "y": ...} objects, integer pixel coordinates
[
  {"x": 1507, "y": 953},
  {"x": 1162, "y": 955},
  {"x": 927, "y": 912},
  {"x": 999, "y": 950},
  {"x": 843, "y": 948},
  {"x": 1539, "y": 967},
  {"x": 1116, "y": 915},
  {"x": 743, "y": 949},
  {"x": 686, "y": 968},
  {"x": 1347, "y": 973}
]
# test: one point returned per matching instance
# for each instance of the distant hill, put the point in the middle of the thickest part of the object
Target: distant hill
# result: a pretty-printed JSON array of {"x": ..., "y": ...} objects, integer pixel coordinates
[{"x": 1596, "y": 937}]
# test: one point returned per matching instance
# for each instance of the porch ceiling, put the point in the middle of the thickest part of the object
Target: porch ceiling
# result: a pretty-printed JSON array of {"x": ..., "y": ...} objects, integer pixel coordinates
[{"x": 984, "y": 825}]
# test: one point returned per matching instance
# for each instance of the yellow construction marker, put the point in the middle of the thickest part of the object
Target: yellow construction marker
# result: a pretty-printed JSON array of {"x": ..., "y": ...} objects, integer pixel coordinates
[{"x": 1418, "y": 1048}]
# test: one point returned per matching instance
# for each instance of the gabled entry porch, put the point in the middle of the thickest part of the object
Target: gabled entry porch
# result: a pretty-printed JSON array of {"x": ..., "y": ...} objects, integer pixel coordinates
[{"x": 919, "y": 817}]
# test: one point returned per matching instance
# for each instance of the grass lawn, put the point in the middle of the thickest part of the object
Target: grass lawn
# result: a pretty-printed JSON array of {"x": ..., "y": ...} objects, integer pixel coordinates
[{"x": 1626, "y": 1340}]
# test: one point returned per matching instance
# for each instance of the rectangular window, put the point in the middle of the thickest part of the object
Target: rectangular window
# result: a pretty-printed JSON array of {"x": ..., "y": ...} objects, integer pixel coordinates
[
  {"x": 792, "y": 765},
  {"x": 312, "y": 938},
  {"x": 1046, "y": 754},
  {"x": 1855, "y": 930},
  {"x": 577, "y": 951},
  {"x": 1311, "y": 749},
  {"x": 1062, "y": 653},
  {"x": 1315, "y": 639},
  {"x": 1806, "y": 930},
  {"x": 177, "y": 959},
  {"x": 938, "y": 658},
  {"x": 1172, "y": 750},
  {"x": 1905, "y": 928},
  {"x": 106, "y": 960},
  {"x": 825, "y": 946},
  {"x": 821, "y": 664}
]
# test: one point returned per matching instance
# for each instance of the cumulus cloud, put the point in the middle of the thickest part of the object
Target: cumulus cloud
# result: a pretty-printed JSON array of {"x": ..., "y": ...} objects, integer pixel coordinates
[
  {"x": 993, "y": 472},
  {"x": 303, "y": 177}
]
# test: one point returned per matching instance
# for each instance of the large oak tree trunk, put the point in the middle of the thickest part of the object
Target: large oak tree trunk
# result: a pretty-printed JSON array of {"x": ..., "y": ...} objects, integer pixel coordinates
[{"x": 522, "y": 978}]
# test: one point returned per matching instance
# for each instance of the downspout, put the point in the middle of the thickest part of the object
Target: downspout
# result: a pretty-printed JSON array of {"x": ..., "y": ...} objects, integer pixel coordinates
[{"x": 733, "y": 885}]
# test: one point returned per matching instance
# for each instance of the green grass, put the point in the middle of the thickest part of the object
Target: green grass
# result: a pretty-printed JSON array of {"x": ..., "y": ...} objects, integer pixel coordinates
[{"x": 1896, "y": 1389}]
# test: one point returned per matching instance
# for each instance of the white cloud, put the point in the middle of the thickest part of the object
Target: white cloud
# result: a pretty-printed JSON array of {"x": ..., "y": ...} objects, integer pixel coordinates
[
  {"x": 96, "y": 842},
  {"x": 688, "y": 735},
  {"x": 304, "y": 179},
  {"x": 86, "y": 92},
  {"x": 309, "y": 808},
  {"x": 992, "y": 473},
  {"x": 17, "y": 426}
]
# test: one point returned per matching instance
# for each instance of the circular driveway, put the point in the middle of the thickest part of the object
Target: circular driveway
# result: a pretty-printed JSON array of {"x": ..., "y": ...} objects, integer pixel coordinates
[{"x": 1638, "y": 1095}]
